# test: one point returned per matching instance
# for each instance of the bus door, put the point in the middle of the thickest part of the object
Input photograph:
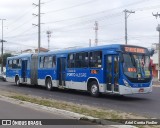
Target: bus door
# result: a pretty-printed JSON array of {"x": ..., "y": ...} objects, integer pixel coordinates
[
  {"x": 112, "y": 73},
  {"x": 62, "y": 71},
  {"x": 24, "y": 70}
]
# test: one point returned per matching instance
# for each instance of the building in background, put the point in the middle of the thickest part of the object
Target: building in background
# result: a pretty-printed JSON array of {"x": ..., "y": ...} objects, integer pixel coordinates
[
  {"x": 155, "y": 65},
  {"x": 27, "y": 51},
  {"x": 41, "y": 50},
  {"x": 35, "y": 50},
  {"x": 154, "y": 59}
]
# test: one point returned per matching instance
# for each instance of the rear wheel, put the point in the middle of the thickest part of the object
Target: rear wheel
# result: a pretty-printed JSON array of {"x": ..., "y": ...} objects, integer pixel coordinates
[
  {"x": 49, "y": 84},
  {"x": 94, "y": 89},
  {"x": 17, "y": 81}
]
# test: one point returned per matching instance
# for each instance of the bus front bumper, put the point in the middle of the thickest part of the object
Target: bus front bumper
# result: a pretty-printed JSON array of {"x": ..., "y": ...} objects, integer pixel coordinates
[{"x": 129, "y": 90}]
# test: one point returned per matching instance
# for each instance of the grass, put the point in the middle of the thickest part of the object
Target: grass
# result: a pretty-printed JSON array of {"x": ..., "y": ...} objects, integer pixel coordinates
[
  {"x": 97, "y": 113},
  {"x": 81, "y": 109}
]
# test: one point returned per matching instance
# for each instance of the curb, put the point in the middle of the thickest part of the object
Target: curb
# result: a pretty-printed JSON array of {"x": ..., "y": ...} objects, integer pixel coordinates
[{"x": 61, "y": 112}]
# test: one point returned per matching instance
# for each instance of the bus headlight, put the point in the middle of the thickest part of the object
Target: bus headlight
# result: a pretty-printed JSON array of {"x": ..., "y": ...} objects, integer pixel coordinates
[{"x": 126, "y": 83}]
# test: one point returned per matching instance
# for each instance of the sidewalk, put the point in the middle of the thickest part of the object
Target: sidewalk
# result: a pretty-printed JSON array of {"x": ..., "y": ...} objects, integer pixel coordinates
[{"x": 156, "y": 82}]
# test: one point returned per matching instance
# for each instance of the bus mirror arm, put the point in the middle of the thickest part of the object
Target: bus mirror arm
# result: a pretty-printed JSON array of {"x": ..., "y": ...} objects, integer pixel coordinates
[{"x": 151, "y": 52}]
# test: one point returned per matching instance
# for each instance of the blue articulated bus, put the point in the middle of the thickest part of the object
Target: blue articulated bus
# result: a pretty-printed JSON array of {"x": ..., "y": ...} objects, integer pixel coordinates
[{"x": 114, "y": 69}]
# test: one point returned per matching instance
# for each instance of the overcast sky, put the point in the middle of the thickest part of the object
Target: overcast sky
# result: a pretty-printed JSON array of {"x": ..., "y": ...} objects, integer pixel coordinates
[{"x": 72, "y": 22}]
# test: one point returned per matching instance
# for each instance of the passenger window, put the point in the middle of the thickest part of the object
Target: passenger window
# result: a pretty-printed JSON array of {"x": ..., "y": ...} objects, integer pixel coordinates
[
  {"x": 50, "y": 62},
  {"x": 81, "y": 60},
  {"x": 28, "y": 64},
  {"x": 14, "y": 64},
  {"x": 19, "y": 63},
  {"x": 10, "y": 63},
  {"x": 71, "y": 61},
  {"x": 85, "y": 60},
  {"x": 78, "y": 60},
  {"x": 54, "y": 62},
  {"x": 46, "y": 62},
  {"x": 41, "y": 62},
  {"x": 95, "y": 59}
]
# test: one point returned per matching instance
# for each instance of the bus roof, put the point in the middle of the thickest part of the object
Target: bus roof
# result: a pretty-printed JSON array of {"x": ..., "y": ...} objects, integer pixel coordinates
[
  {"x": 117, "y": 46},
  {"x": 64, "y": 51},
  {"x": 102, "y": 47},
  {"x": 20, "y": 56}
]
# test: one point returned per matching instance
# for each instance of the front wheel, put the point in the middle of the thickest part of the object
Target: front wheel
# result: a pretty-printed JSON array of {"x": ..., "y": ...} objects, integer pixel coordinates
[
  {"x": 94, "y": 89},
  {"x": 49, "y": 84}
]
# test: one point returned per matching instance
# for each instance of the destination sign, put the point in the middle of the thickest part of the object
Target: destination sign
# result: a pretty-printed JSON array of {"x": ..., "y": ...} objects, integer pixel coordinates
[{"x": 134, "y": 49}]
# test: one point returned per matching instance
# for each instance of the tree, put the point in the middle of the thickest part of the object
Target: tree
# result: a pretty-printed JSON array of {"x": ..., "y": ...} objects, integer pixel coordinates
[{"x": 5, "y": 55}]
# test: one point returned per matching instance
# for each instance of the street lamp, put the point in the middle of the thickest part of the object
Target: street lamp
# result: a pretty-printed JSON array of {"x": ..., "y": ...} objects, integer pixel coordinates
[
  {"x": 158, "y": 29},
  {"x": 2, "y": 55},
  {"x": 2, "y": 45}
]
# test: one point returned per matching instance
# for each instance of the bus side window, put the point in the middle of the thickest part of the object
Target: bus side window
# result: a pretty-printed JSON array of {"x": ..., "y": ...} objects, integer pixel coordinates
[
  {"x": 54, "y": 62},
  {"x": 41, "y": 62},
  {"x": 85, "y": 60},
  {"x": 78, "y": 60},
  {"x": 46, "y": 62},
  {"x": 10, "y": 63},
  {"x": 28, "y": 64},
  {"x": 19, "y": 63},
  {"x": 50, "y": 62},
  {"x": 71, "y": 61},
  {"x": 91, "y": 64},
  {"x": 81, "y": 60},
  {"x": 14, "y": 64},
  {"x": 96, "y": 59}
]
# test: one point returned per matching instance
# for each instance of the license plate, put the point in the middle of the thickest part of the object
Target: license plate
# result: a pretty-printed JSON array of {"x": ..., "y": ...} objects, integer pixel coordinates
[{"x": 141, "y": 90}]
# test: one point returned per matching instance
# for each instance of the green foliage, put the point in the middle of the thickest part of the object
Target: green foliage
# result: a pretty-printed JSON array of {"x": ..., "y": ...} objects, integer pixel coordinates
[{"x": 5, "y": 55}]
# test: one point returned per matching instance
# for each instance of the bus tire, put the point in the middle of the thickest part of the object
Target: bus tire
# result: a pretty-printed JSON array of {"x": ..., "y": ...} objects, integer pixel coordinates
[
  {"x": 94, "y": 89},
  {"x": 17, "y": 81},
  {"x": 49, "y": 84}
]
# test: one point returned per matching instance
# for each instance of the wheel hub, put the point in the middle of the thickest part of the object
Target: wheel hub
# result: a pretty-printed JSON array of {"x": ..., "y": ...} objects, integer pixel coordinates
[
  {"x": 94, "y": 89},
  {"x": 49, "y": 85}
]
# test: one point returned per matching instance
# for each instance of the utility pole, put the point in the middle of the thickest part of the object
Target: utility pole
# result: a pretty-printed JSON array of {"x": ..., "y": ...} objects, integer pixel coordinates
[
  {"x": 2, "y": 46},
  {"x": 48, "y": 35},
  {"x": 158, "y": 29},
  {"x": 96, "y": 33},
  {"x": 39, "y": 24},
  {"x": 126, "y": 17},
  {"x": 90, "y": 43}
]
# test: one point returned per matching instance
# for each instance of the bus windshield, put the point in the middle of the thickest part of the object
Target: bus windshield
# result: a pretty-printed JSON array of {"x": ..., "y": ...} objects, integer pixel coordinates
[{"x": 136, "y": 66}]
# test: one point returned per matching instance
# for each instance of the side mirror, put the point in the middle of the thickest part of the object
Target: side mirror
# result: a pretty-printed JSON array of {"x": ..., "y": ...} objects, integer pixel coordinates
[{"x": 151, "y": 51}]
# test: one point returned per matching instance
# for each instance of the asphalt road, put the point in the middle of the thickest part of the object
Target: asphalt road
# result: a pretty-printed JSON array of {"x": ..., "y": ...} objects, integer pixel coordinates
[
  {"x": 15, "y": 111},
  {"x": 143, "y": 104}
]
